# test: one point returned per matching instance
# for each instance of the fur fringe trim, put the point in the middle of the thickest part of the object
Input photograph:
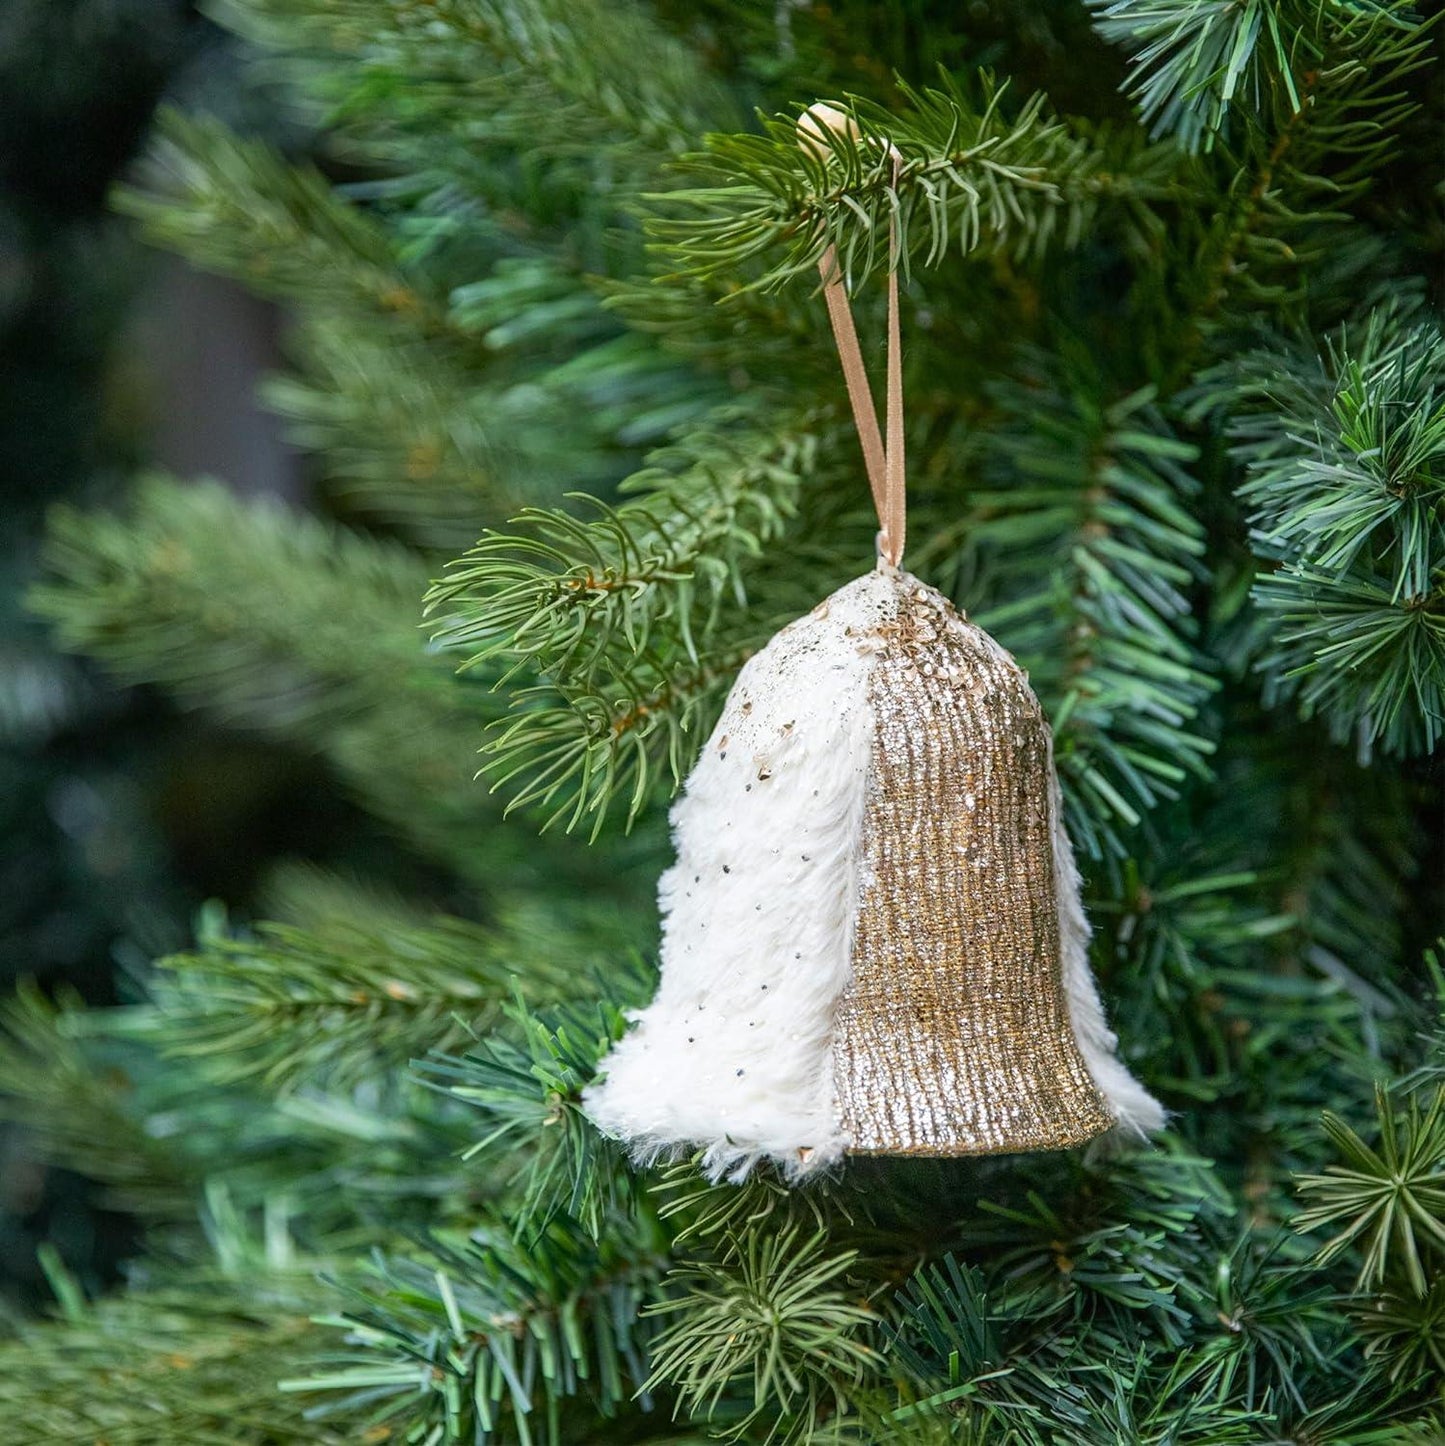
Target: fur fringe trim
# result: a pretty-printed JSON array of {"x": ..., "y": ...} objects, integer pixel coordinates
[
  {"x": 1136, "y": 1111},
  {"x": 734, "y": 1053}
]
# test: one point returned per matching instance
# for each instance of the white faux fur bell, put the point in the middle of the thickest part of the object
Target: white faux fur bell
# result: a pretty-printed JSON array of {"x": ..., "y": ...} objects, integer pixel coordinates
[{"x": 873, "y": 939}]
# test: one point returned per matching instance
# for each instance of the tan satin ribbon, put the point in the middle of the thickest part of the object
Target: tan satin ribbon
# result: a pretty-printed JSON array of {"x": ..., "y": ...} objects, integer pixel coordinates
[{"x": 882, "y": 461}]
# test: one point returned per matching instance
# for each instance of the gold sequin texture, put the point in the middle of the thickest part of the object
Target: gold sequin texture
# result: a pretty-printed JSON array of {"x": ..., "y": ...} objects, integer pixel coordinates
[{"x": 953, "y": 1036}]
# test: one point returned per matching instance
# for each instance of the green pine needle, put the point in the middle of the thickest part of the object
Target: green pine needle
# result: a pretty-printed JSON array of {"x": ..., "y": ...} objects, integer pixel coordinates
[{"x": 1390, "y": 1199}]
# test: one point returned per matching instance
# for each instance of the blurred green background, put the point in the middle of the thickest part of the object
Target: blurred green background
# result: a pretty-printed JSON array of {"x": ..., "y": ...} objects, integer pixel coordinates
[{"x": 119, "y": 817}]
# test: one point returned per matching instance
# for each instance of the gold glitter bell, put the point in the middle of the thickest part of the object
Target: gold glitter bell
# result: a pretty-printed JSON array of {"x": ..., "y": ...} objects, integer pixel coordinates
[
  {"x": 954, "y": 1033},
  {"x": 873, "y": 940}
]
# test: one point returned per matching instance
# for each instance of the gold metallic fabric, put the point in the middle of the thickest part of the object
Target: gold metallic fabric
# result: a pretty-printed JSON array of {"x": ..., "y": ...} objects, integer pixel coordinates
[{"x": 953, "y": 1036}]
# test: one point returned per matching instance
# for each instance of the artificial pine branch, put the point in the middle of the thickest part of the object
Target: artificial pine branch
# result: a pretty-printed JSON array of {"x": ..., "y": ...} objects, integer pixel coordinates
[
  {"x": 558, "y": 77},
  {"x": 1344, "y": 462},
  {"x": 1101, "y": 489},
  {"x": 970, "y": 176},
  {"x": 84, "y": 1119},
  {"x": 781, "y": 1318},
  {"x": 1196, "y": 62},
  {"x": 190, "y": 1363},
  {"x": 281, "y": 623},
  {"x": 490, "y": 1336},
  {"x": 237, "y": 207},
  {"x": 527, "y": 1080},
  {"x": 617, "y": 618},
  {"x": 332, "y": 1006}
]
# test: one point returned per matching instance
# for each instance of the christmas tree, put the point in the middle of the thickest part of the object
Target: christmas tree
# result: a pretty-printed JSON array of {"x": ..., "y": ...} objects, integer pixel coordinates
[{"x": 1177, "y": 440}]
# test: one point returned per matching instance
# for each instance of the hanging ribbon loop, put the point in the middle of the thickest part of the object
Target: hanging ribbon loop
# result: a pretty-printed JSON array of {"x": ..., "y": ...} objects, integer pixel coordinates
[{"x": 883, "y": 458}]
